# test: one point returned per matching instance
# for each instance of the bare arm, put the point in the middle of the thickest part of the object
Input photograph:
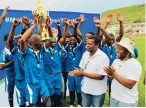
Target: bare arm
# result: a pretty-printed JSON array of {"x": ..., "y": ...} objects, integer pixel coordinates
[
  {"x": 50, "y": 31},
  {"x": 28, "y": 33},
  {"x": 120, "y": 18},
  {"x": 59, "y": 30},
  {"x": 40, "y": 29},
  {"x": 104, "y": 32},
  {"x": 125, "y": 82},
  {"x": 25, "y": 25},
  {"x": 82, "y": 19},
  {"x": 66, "y": 31},
  {"x": 93, "y": 76},
  {"x": 4, "y": 14},
  {"x": 76, "y": 30},
  {"x": 80, "y": 72},
  {"x": 8, "y": 64},
  {"x": 49, "y": 26},
  {"x": 10, "y": 43},
  {"x": 3, "y": 66},
  {"x": 108, "y": 20}
]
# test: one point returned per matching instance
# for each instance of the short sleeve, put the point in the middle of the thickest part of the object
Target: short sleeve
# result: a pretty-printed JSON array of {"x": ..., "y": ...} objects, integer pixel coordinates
[
  {"x": 58, "y": 46},
  {"x": 2, "y": 58},
  {"x": 82, "y": 62},
  {"x": 105, "y": 62},
  {"x": 82, "y": 46},
  {"x": 135, "y": 72}
]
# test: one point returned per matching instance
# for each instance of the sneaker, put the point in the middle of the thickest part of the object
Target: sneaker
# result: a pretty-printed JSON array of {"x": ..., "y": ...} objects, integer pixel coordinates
[
  {"x": 71, "y": 106},
  {"x": 79, "y": 106}
]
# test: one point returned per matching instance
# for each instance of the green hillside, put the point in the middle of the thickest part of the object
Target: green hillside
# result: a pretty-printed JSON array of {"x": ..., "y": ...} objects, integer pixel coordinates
[{"x": 131, "y": 14}]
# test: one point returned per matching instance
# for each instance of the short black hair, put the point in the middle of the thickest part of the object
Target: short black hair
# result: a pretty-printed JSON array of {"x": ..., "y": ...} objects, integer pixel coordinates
[
  {"x": 6, "y": 37},
  {"x": 91, "y": 33},
  {"x": 71, "y": 36},
  {"x": 96, "y": 39},
  {"x": 68, "y": 36}
]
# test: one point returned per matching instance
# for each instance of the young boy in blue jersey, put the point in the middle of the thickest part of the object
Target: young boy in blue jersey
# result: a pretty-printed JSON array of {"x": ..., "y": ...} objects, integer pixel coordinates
[
  {"x": 75, "y": 51},
  {"x": 18, "y": 64},
  {"x": 53, "y": 67},
  {"x": 34, "y": 66},
  {"x": 6, "y": 62},
  {"x": 63, "y": 54},
  {"x": 109, "y": 40}
]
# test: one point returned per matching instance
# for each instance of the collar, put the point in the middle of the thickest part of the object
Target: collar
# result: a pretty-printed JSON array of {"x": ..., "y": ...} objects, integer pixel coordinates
[
  {"x": 35, "y": 51},
  {"x": 52, "y": 49},
  {"x": 98, "y": 53},
  {"x": 7, "y": 51}
]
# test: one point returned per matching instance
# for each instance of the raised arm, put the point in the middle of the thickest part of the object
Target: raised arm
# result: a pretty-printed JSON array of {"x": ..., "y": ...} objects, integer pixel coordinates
[
  {"x": 59, "y": 30},
  {"x": 120, "y": 18},
  {"x": 99, "y": 26},
  {"x": 82, "y": 19},
  {"x": 77, "y": 21},
  {"x": 40, "y": 28},
  {"x": 10, "y": 42},
  {"x": 25, "y": 25},
  {"x": 3, "y": 16},
  {"x": 28, "y": 33},
  {"x": 97, "y": 21},
  {"x": 108, "y": 20},
  {"x": 49, "y": 26},
  {"x": 66, "y": 31}
]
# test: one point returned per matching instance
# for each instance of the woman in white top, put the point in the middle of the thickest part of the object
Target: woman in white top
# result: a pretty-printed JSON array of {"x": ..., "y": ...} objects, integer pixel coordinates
[{"x": 125, "y": 72}]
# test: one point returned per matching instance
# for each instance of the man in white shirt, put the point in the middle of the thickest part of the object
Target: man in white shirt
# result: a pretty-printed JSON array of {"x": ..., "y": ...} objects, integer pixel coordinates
[
  {"x": 125, "y": 72},
  {"x": 92, "y": 68}
]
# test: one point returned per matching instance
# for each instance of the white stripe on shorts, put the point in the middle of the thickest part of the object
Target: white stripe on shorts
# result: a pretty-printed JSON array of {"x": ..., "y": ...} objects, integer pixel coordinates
[{"x": 30, "y": 93}]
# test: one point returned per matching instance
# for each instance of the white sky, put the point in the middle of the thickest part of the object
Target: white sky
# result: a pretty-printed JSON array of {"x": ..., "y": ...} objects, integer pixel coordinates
[{"x": 88, "y": 6}]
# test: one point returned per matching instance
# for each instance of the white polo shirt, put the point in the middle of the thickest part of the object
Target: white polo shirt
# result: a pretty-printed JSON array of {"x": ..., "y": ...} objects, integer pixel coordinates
[
  {"x": 94, "y": 64},
  {"x": 132, "y": 70}
]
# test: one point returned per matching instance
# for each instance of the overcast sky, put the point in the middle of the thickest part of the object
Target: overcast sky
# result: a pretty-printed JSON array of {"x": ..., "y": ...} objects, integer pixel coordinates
[{"x": 88, "y": 6}]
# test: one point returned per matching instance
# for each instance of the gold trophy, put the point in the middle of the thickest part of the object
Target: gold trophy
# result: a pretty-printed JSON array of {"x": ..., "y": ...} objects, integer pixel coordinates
[{"x": 43, "y": 14}]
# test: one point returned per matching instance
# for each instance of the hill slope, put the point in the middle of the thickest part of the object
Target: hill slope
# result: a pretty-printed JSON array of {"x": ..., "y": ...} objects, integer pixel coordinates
[{"x": 131, "y": 14}]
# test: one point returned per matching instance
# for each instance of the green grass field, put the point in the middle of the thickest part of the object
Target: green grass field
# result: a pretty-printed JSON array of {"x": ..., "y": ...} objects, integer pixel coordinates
[{"x": 140, "y": 44}]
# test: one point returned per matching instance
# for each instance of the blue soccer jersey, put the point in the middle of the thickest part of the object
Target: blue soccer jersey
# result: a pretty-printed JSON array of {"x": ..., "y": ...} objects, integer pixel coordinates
[
  {"x": 52, "y": 59},
  {"x": 18, "y": 64},
  {"x": 34, "y": 66},
  {"x": 6, "y": 57},
  {"x": 110, "y": 52},
  {"x": 53, "y": 68},
  {"x": 34, "y": 75},
  {"x": 74, "y": 56}
]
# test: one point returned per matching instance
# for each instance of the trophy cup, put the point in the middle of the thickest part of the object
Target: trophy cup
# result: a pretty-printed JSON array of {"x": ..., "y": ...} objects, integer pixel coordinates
[{"x": 43, "y": 14}]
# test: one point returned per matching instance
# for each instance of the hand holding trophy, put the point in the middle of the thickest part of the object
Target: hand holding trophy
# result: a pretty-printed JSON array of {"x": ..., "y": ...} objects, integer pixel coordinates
[{"x": 43, "y": 14}]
